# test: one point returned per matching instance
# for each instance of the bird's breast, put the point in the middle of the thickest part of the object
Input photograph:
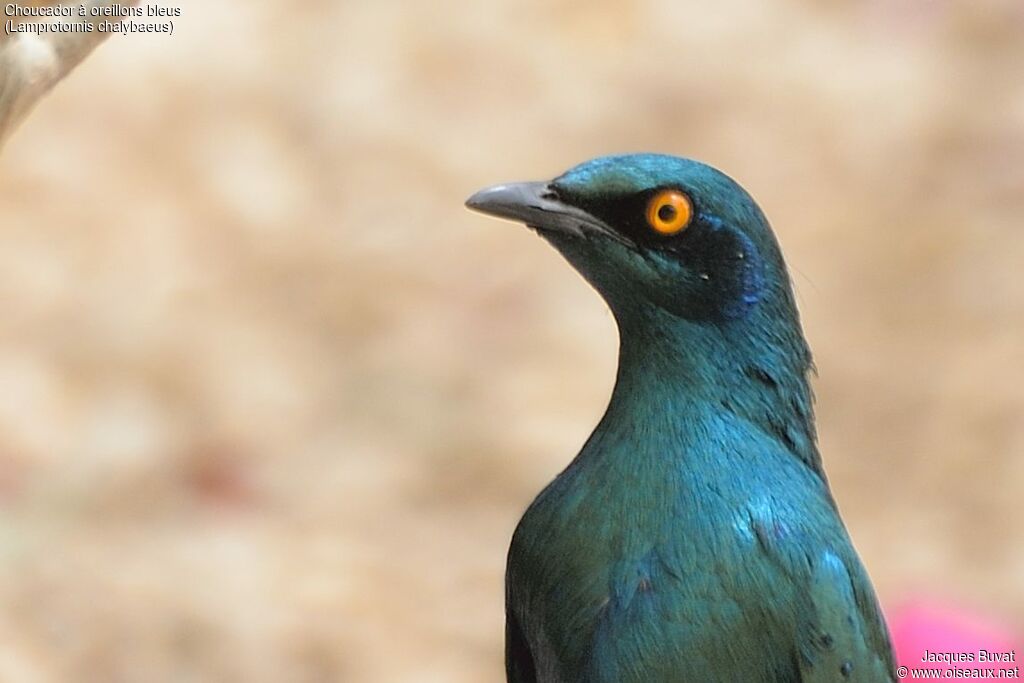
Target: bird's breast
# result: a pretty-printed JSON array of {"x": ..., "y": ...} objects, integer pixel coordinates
[{"x": 641, "y": 545}]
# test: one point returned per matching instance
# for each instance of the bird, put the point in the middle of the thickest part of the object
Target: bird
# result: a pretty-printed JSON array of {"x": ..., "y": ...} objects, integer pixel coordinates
[{"x": 694, "y": 537}]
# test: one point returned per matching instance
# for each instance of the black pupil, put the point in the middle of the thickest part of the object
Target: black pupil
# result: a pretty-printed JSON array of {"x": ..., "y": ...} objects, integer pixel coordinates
[{"x": 667, "y": 213}]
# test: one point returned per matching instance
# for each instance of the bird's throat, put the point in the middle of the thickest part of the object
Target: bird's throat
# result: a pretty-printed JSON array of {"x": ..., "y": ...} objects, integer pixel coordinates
[{"x": 671, "y": 371}]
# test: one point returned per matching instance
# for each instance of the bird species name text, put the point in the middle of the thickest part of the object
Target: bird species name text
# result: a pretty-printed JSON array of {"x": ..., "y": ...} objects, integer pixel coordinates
[{"x": 82, "y": 18}]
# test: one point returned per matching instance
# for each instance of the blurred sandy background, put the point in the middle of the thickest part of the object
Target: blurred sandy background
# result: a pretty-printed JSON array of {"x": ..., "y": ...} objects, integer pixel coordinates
[{"x": 272, "y": 400}]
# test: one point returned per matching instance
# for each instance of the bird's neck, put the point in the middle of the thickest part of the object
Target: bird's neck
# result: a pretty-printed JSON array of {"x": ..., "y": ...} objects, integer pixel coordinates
[{"x": 671, "y": 371}]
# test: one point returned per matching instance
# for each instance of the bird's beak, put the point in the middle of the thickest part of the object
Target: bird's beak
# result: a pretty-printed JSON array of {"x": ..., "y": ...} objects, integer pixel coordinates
[{"x": 539, "y": 207}]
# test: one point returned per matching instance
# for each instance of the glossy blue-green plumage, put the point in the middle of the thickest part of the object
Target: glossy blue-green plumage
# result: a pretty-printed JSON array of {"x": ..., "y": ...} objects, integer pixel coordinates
[{"x": 694, "y": 537}]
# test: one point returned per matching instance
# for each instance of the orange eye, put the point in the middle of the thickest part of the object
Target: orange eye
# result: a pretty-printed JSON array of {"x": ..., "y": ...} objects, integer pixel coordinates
[{"x": 669, "y": 212}]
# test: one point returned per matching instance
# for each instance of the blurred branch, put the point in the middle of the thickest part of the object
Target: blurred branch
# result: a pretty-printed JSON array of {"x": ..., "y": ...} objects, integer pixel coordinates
[{"x": 32, "y": 63}]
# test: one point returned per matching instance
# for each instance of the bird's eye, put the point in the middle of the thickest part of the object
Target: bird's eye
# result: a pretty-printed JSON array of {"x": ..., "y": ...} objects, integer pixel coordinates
[{"x": 669, "y": 212}]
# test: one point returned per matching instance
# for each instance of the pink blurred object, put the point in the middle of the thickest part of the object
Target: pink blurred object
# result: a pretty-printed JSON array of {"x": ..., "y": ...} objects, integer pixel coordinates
[{"x": 951, "y": 632}]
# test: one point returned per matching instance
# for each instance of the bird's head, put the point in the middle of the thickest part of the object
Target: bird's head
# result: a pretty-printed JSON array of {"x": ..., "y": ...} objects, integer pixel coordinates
[
  {"x": 651, "y": 231},
  {"x": 691, "y": 269}
]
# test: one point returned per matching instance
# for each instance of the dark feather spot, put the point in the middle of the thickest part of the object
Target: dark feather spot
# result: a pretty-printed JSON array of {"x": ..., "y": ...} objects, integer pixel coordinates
[
  {"x": 762, "y": 376},
  {"x": 846, "y": 668}
]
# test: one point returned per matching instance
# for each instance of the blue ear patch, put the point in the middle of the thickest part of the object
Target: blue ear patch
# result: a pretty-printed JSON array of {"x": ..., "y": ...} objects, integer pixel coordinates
[
  {"x": 750, "y": 281},
  {"x": 736, "y": 266}
]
